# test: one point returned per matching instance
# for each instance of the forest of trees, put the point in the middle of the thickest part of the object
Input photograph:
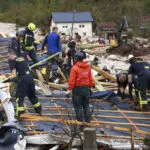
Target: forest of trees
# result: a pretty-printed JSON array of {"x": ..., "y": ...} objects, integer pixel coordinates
[{"x": 39, "y": 11}]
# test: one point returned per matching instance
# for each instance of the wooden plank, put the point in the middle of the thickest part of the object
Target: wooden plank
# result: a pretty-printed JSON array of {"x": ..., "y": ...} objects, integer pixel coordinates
[
  {"x": 125, "y": 116},
  {"x": 98, "y": 110},
  {"x": 108, "y": 84},
  {"x": 99, "y": 77},
  {"x": 98, "y": 86},
  {"x": 62, "y": 117},
  {"x": 57, "y": 86},
  {"x": 39, "y": 75},
  {"x": 44, "y": 87},
  {"x": 27, "y": 117},
  {"x": 4, "y": 67},
  {"x": 62, "y": 74},
  {"x": 110, "y": 122},
  {"x": 98, "y": 122},
  {"x": 1, "y": 104},
  {"x": 41, "y": 81},
  {"x": 99, "y": 116},
  {"x": 105, "y": 74},
  {"x": 132, "y": 139},
  {"x": 40, "y": 62},
  {"x": 119, "y": 137}
]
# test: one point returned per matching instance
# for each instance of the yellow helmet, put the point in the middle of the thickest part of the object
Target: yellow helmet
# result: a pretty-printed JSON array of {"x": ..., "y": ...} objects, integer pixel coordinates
[{"x": 31, "y": 26}]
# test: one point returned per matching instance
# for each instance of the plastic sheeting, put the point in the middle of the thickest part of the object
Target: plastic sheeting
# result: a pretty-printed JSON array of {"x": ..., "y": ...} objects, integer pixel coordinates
[
  {"x": 8, "y": 107},
  {"x": 109, "y": 96},
  {"x": 112, "y": 97},
  {"x": 10, "y": 135}
]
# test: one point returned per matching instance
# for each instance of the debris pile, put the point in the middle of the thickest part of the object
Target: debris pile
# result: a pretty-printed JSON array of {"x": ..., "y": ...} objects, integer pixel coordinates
[
  {"x": 138, "y": 48},
  {"x": 112, "y": 117}
]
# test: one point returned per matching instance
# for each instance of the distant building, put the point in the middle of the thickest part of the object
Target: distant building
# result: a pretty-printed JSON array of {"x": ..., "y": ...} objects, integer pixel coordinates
[
  {"x": 106, "y": 29},
  {"x": 82, "y": 23}
]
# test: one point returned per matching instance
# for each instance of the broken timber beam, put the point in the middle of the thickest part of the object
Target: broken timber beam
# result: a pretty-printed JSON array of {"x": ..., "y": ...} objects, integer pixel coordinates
[
  {"x": 62, "y": 74},
  {"x": 105, "y": 74},
  {"x": 27, "y": 117},
  {"x": 41, "y": 84},
  {"x": 98, "y": 86},
  {"x": 40, "y": 62},
  {"x": 57, "y": 86}
]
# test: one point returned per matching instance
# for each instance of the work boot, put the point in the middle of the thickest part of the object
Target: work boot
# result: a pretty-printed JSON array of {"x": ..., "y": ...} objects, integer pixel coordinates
[
  {"x": 38, "y": 110},
  {"x": 145, "y": 108}
]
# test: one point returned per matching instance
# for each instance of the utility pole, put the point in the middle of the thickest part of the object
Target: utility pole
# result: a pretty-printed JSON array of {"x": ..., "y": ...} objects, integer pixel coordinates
[{"x": 73, "y": 19}]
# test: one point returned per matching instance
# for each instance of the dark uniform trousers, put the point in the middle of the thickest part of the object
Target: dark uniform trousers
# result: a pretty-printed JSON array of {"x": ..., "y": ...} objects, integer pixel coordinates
[
  {"x": 143, "y": 83},
  {"x": 32, "y": 55},
  {"x": 26, "y": 87},
  {"x": 54, "y": 61},
  {"x": 81, "y": 103}
]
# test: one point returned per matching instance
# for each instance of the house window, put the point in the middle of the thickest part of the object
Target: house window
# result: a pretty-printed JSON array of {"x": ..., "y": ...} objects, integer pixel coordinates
[
  {"x": 65, "y": 26},
  {"x": 81, "y": 26}
]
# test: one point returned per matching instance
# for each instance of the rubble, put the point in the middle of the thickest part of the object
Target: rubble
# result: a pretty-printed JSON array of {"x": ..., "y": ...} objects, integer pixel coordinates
[
  {"x": 137, "y": 49},
  {"x": 58, "y": 110}
]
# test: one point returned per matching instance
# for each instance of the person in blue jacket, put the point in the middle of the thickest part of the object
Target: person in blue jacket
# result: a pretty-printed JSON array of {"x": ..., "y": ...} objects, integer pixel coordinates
[{"x": 53, "y": 43}]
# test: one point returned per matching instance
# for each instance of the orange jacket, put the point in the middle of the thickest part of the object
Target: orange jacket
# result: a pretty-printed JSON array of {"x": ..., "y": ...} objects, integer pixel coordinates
[{"x": 80, "y": 75}]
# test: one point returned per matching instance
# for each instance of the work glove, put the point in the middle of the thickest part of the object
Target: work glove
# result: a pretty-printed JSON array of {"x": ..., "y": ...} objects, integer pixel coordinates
[
  {"x": 60, "y": 56},
  {"x": 68, "y": 93}
]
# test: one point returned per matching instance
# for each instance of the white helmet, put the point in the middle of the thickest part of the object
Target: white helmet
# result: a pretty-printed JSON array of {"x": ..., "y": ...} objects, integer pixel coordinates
[{"x": 130, "y": 57}]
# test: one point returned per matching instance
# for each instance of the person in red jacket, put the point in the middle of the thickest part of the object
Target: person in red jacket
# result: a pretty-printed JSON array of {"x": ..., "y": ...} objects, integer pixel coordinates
[{"x": 80, "y": 82}]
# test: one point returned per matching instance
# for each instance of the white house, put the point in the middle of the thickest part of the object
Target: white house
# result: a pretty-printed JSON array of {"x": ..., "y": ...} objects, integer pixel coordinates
[{"x": 81, "y": 22}]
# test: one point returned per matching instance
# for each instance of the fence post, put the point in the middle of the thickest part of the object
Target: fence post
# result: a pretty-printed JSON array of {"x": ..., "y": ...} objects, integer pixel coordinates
[
  {"x": 132, "y": 139},
  {"x": 89, "y": 139}
]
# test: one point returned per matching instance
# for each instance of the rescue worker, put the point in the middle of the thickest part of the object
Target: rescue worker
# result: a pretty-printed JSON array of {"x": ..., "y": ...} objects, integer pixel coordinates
[
  {"x": 69, "y": 53},
  {"x": 70, "y": 59},
  {"x": 29, "y": 42},
  {"x": 25, "y": 86},
  {"x": 140, "y": 72},
  {"x": 53, "y": 42},
  {"x": 15, "y": 43},
  {"x": 17, "y": 47},
  {"x": 122, "y": 81},
  {"x": 80, "y": 83},
  {"x": 54, "y": 45}
]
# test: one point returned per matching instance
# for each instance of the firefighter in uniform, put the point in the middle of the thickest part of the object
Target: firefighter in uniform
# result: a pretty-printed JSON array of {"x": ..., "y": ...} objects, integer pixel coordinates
[
  {"x": 25, "y": 86},
  {"x": 141, "y": 74},
  {"x": 80, "y": 83},
  {"x": 29, "y": 42},
  {"x": 70, "y": 59}
]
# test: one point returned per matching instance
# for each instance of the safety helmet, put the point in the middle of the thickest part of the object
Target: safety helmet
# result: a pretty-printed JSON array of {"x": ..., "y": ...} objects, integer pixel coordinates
[
  {"x": 130, "y": 57},
  {"x": 19, "y": 33},
  {"x": 31, "y": 26},
  {"x": 79, "y": 56}
]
